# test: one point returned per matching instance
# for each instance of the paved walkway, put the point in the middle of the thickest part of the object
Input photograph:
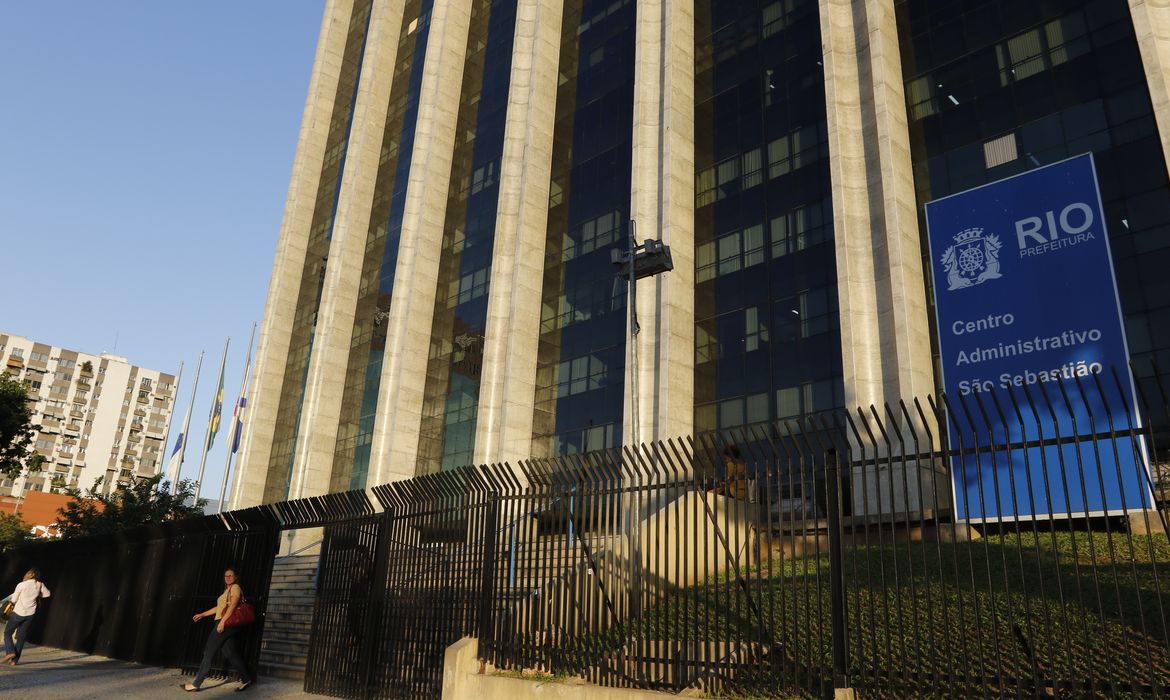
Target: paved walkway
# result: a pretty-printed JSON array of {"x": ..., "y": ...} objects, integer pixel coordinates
[{"x": 45, "y": 673}]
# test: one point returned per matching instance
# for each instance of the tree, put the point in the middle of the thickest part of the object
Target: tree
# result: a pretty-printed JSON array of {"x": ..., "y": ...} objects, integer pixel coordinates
[
  {"x": 16, "y": 430},
  {"x": 144, "y": 501},
  {"x": 14, "y": 531}
]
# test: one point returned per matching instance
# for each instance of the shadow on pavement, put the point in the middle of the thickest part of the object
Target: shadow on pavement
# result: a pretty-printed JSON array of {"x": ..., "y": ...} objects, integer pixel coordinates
[{"x": 46, "y": 673}]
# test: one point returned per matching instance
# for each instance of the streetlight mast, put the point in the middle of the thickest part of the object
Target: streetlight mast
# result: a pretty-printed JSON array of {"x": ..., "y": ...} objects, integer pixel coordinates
[{"x": 650, "y": 259}]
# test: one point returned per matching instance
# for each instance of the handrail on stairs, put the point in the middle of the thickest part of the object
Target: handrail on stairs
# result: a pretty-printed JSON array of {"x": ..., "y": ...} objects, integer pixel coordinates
[{"x": 293, "y": 554}]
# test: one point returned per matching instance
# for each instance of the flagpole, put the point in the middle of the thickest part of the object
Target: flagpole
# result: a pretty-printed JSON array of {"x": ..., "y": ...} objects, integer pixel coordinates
[
  {"x": 186, "y": 432},
  {"x": 237, "y": 416},
  {"x": 212, "y": 423},
  {"x": 174, "y": 404}
]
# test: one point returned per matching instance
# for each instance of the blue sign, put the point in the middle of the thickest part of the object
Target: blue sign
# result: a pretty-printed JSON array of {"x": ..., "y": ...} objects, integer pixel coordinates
[{"x": 1028, "y": 314}]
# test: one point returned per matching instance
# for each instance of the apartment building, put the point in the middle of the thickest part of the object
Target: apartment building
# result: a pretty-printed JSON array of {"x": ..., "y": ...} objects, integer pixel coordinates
[{"x": 99, "y": 416}]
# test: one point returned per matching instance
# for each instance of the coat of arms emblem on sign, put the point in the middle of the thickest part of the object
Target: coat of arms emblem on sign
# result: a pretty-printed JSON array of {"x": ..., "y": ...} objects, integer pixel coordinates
[{"x": 972, "y": 260}]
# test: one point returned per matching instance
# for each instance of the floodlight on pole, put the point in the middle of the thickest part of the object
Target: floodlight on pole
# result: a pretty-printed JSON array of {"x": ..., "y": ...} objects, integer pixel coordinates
[{"x": 637, "y": 262}]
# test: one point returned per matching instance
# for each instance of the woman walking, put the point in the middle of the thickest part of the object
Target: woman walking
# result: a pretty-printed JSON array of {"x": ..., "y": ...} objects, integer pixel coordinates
[
  {"x": 223, "y": 637},
  {"x": 26, "y": 596}
]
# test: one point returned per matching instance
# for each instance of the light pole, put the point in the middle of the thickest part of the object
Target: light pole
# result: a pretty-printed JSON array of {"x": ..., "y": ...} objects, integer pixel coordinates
[
  {"x": 637, "y": 262},
  {"x": 649, "y": 259}
]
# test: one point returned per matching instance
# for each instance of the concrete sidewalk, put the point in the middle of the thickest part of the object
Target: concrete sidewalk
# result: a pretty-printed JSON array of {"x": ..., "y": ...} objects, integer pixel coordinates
[{"x": 45, "y": 673}]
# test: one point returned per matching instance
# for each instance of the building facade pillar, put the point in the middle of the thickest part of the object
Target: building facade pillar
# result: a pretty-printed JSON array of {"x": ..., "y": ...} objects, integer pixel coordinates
[
  {"x": 324, "y": 384},
  {"x": 394, "y": 449},
  {"x": 508, "y": 380},
  {"x": 885, "y": 326},
  {"x": 252, "y": 473},
  {"x": 662, "y": 205},
  {"x": 1151, "y": 25}
]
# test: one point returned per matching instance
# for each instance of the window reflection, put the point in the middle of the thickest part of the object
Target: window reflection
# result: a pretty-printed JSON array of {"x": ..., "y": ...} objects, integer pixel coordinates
[
  {"x": 765, "y": 297},
  {"x": 1001, "y": 87}
]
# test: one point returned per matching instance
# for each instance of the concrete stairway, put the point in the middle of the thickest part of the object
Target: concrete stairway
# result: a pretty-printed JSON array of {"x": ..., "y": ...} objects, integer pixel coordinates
[{"x": 284, "y": 649}]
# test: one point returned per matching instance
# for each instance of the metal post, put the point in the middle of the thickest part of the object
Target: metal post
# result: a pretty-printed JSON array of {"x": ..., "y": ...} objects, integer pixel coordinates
[
  {"x": 841, "y": 687},
  {"x": 209, "y": 434},
  {"x": 185, "y": 433},
  {"x": 371, "y": 634},
  {"x": 632, "y": 300},
  {"x": 487, "y": 638},
  {"x": 632, "y": 505},
  {"x": 237, "y": 418}
]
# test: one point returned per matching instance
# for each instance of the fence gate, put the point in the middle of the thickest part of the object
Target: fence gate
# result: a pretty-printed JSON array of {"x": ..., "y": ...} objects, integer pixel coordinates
[
  {"x": 428, "y": 578},
  {"x": 347, "y": 608}
]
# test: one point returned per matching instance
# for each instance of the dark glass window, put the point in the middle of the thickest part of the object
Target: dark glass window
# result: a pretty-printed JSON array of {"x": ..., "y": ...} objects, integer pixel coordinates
[
  {"x": 997, "y": 87},
  {"x": 767, "y": 339},
  {"x": 363, "y": 376},
  {"x": 581, "y": 353},
  {"x": 447, "y": 435}
]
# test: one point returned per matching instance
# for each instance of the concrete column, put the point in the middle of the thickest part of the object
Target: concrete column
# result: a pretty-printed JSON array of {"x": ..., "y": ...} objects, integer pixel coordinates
[
  {"x": 400, "y": 399},
  {"x": 885, "y": 333},
  {"x": 662, "y": 205},
  {"x": 1151, "y": 25},
  {"x": 280, "y": 307},
  {"x": 508, "y": 380},
  {"x": 325, "y": 383}
]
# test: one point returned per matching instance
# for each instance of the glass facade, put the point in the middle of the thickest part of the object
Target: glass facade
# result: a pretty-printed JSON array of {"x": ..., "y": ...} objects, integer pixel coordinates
[
  {"x": 304, "y": 323},
  {"x": 368, "y": 343},
  {"x": 995, "y": 87},
  {"x": 767, "y": 330},
  {"x": 447, "y": 435},
  {"x": 581, "y": 354}
]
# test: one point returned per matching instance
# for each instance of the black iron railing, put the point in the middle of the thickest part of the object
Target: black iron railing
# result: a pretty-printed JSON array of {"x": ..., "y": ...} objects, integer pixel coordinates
[{"x": 1001, "y": 543}]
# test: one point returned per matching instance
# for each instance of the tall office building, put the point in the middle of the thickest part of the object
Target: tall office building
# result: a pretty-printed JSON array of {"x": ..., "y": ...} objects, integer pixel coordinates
[
  {"x": 98, "y": 416},
  {"x": 443, "y": 293}
]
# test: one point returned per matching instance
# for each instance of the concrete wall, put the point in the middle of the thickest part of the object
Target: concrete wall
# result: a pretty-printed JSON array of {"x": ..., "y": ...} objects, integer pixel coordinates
[{"x": 462, "y": 680}]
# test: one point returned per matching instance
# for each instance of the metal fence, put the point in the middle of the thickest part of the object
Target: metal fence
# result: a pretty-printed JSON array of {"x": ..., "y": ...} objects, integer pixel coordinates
[
  {"x": 1008, "y": 543},
  {"x": 825, "y": 552},
  {"x": 130, "y": 595}
]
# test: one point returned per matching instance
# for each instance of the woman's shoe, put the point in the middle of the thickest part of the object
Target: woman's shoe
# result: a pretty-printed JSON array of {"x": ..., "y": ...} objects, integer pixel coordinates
[
  {"x": 190, "y": 687},
  {"x": 9, "y": 657},
  {"x": 244, "y": 685}
]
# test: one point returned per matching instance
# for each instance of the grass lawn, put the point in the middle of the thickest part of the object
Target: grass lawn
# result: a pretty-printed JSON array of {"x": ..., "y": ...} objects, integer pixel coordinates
[{"x": 1070, "y": 614}]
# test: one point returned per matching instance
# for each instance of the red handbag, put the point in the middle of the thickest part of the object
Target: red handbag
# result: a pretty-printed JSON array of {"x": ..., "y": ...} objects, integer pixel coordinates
[{"x": 242, "y": 615}]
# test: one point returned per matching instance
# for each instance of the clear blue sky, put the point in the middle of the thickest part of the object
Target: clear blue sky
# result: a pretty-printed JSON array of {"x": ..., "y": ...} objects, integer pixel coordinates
[{"x": 145, "y": 154}]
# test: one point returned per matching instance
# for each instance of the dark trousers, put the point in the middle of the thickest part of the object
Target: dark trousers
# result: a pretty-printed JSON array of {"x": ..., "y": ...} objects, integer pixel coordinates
[
  {"x": 18, "y": 624},
  {"x": 226, "y": 642}
]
